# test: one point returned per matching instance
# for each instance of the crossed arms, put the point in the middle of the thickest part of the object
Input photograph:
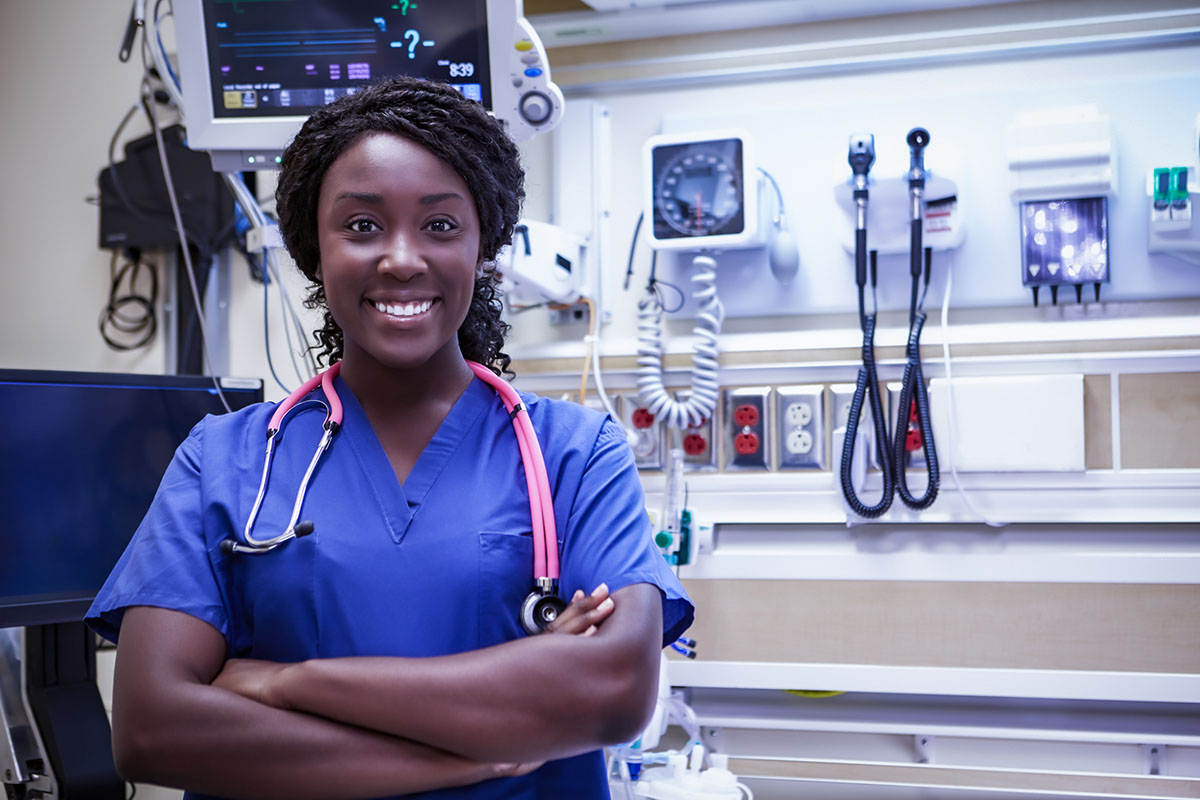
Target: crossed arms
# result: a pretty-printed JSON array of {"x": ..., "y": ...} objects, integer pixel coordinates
[{"x": 364, "y": 727}]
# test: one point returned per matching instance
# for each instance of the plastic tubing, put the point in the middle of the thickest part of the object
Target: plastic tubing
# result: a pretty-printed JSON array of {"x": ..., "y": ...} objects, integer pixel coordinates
[
  {"x": 541, "y": 506},
  {"x": 705, "y": 388}
]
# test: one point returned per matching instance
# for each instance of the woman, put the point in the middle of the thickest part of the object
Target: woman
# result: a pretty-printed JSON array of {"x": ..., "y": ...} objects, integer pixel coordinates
[{"x": 381, "y": 655}]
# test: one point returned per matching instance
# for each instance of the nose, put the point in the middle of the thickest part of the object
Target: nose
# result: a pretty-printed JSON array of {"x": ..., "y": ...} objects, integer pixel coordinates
[{"x": 402, "y": 258}]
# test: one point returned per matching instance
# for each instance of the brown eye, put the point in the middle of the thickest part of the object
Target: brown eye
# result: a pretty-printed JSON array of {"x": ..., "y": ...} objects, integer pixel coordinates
[
  {"x": 362, "y": 225},
  {"x": 441, "y": 226}
]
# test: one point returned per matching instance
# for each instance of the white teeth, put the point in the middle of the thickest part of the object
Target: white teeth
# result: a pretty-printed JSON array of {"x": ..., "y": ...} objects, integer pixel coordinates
[{"x": 406, "y": 310}]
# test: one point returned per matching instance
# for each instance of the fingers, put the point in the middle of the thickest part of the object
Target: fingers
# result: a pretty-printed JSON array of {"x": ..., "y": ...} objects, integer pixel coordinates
[{"x": 585, "y": 613}]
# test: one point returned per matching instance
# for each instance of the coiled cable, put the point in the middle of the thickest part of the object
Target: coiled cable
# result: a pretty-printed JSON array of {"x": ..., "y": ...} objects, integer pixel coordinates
[
  {"x": 914, "y": 400},
  {"x": 913, "y": 396},
  {"x": 705, "y": 387},
  {"x": 866, "y": 389}
]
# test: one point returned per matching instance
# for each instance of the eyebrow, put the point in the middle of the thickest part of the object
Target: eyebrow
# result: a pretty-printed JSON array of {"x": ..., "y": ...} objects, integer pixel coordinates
[{"x": 377, "y": 199}]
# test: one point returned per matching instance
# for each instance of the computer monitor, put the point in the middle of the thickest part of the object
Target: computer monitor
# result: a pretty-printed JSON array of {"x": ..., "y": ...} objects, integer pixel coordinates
[
  {"x": 83, "y": 454},
  {"x": 251, "y": 72}
]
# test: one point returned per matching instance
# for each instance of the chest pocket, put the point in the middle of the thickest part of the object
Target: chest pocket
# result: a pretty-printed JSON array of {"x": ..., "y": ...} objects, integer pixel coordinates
[
  {"x": 274, "y": 594},
  {"x": 505, "y": 579}
]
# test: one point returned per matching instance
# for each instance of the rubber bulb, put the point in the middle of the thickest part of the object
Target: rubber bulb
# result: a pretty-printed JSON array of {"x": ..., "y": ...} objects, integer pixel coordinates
[{"x": 784, "y": 256}]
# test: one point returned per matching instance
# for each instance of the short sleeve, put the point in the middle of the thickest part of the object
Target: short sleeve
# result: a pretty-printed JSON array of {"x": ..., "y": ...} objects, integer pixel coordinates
[
  {"x": 609, "y": 538},
  {"x": 167, "y": 562}
]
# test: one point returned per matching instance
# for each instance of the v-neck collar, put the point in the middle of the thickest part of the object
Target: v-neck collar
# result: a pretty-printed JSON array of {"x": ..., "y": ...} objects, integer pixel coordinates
[{"x": 400, "y": 503}]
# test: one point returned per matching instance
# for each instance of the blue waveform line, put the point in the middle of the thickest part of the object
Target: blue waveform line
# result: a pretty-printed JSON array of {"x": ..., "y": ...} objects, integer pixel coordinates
[
  {"x": 262, "y": 44},
  {"x": 308, "y": 53},
  {"x": 303, "y": 32}
]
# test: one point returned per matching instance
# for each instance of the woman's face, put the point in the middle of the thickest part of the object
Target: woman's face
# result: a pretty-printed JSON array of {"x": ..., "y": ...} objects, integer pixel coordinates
[{"x": 399, "y": 242}]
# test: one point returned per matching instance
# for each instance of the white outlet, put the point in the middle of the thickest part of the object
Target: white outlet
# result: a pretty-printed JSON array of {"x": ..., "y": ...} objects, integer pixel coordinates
[
  {"x": 800, "y": 427},
  {"x": 798, "y": 414},
  {"x": 799, "y": 442}
]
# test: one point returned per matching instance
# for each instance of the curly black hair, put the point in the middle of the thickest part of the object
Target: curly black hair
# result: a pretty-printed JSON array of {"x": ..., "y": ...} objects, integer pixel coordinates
[{"x": 456, "y": 130}]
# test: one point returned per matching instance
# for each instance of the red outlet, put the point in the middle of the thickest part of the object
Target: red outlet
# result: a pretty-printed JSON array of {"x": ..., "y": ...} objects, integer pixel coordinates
[
  {"x": 912, "y": 412},
  {"x": 746, "y": 416},
  {"x": 642, "y": 418},
  {"x": 913, "y": 440},
  {"x": 694, "y": 444},
  {"x": 746, "y": 443}
]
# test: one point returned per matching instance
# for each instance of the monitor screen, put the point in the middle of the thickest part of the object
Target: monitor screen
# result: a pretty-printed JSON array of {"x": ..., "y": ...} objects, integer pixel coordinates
[
  {"x": 83, "y": 454},
  {"x": 290, "y": 58},
  {"x": 251, "y": 72}
]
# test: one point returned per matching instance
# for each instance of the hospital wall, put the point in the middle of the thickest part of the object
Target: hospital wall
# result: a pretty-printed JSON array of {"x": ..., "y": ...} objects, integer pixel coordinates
[
  {"x": 1080, "y": 604},
  {"x": 1079, "y": 587}
]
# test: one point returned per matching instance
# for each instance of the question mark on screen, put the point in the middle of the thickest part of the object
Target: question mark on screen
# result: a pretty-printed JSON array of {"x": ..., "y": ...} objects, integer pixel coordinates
[{"x": 413, "y": 38}]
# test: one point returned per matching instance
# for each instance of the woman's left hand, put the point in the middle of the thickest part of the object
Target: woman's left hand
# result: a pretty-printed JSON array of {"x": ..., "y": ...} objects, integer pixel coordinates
[{"x": 250, "y": 678}]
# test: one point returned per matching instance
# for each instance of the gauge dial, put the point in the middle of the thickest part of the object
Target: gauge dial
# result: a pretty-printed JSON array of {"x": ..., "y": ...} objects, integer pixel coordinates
[{"x": 699, "y": 189}]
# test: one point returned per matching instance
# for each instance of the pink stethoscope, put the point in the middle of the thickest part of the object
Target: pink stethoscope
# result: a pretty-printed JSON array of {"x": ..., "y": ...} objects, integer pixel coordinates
[{"x": 542, "y": 605}]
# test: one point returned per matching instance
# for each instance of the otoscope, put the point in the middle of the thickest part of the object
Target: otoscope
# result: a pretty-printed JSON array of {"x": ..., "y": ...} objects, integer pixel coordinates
[
  {"x": 913, "y": 419},
  {"x": 861, "y": 157}
]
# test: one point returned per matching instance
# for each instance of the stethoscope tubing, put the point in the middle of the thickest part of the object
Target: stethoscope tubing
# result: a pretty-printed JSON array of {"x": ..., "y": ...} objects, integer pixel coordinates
[{"x": 541, "y": 504}]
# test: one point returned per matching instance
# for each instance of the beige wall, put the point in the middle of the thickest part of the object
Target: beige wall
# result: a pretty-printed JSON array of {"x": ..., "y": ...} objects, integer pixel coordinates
[{"x": 64, "y": 91}]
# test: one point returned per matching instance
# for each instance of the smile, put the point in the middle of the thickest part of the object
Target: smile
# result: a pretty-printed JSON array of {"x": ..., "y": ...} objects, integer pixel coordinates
[{"x": 403, "y": 309}]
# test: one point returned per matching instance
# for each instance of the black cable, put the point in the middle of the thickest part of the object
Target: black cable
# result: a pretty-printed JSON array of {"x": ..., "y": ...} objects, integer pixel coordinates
[
  {"x": 633, "y": 247},
  {"x": 115, "y": 314},
  {"x": 913, "y": 394},
  {"x": 913, "y": 409},
  {"x": 866, "y": 388},
  {"x": 656, "y": 287}
]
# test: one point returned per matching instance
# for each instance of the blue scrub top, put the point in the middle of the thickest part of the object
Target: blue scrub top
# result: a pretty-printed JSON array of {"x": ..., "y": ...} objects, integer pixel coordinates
[{"x": 435, "y": 566}]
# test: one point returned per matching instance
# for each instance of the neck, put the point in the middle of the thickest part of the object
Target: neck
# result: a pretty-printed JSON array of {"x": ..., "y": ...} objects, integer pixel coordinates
[{"x": 385, "y": 391}]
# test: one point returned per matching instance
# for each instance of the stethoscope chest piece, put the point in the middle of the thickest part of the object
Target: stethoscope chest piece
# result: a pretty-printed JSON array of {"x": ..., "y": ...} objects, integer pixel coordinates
[{"x": 539, "y": 610}]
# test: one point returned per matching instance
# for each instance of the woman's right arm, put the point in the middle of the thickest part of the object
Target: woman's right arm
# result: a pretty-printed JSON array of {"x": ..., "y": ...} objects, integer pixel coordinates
[{"x": 172, "y": 728}]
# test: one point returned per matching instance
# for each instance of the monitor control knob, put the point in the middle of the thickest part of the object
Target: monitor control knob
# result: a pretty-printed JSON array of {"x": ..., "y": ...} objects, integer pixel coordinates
[{"x": 535, "y": 108}]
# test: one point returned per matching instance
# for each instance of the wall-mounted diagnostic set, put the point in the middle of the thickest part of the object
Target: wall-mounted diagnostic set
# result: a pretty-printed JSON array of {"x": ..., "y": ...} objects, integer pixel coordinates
[{"x": 913, "y": 430}]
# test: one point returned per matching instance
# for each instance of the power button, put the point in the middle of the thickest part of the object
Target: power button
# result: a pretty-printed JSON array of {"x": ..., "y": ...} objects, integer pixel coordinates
[{"x": 535, "y": 107}]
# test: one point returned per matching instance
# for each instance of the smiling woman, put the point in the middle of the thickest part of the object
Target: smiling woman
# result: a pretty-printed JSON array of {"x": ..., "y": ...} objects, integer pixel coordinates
[
  {"x": 384, "y": 653},
  {"x": 399, "y": 242},
  {"x": 462, "y": 137}
]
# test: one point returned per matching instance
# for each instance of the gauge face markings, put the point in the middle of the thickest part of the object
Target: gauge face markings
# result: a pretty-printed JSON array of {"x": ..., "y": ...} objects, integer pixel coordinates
[{"x": 698, "y": 191}]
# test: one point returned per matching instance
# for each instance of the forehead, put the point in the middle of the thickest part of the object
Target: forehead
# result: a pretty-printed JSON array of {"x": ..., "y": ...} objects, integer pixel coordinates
[{"x": 378, "y": 161}]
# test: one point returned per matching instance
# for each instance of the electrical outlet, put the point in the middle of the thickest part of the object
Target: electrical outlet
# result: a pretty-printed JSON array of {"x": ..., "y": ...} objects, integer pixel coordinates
[
  {"x": 800, "y": 423},
  {"x": 914, "y": 443},
  {"x": 746, "y": 441},
  {"x": 648, "y": 443},
  {"x": 843, "y": 395},
  {"x": 698, "y": 443}
]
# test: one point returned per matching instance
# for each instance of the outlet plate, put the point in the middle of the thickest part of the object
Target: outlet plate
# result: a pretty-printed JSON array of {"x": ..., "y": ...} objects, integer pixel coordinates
[
  {"x": 746, "y": 442},
  {"x": 843, "y": 394},
  {"x": 916, "y": 458},
  {"x": 689, "y": 440},
  {"x": 800, "y": 427},
  {"x": 649, "y": 444}
]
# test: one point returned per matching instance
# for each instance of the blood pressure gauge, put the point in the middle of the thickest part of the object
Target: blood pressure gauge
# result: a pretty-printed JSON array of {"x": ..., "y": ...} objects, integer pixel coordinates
[{"x": 703, "y": 190}]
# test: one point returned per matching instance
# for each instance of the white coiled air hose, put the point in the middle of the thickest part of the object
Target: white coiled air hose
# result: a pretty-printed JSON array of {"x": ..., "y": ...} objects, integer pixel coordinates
[{"x": 702, "y": 400}]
